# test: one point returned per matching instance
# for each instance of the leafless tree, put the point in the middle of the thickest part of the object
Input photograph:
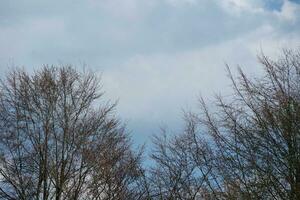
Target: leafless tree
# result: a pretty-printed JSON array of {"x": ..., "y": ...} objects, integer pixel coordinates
[
  {"x": 59, "y": 140},
  {"x": 183, "y": 165},
  {"x": 245, "y": 147}
]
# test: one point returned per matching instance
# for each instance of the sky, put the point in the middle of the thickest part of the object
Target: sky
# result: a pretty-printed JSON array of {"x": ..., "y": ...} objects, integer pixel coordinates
[{"x": 154, "y": 56}]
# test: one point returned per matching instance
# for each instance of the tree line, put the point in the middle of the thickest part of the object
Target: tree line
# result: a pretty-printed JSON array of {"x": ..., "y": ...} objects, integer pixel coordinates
[{"x": 60, "y": 139}]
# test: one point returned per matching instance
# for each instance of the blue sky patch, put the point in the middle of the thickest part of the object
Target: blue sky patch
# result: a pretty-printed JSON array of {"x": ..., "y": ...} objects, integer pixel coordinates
[{"x": 273, "y": 4}]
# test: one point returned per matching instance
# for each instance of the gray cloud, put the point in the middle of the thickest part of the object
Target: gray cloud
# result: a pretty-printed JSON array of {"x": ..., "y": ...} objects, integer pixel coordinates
[{"x": 156, "y": 56}]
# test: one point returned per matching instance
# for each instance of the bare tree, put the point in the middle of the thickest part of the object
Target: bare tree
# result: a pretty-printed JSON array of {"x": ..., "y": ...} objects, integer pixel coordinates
[
  {"x": 184, "y": 165},
  {"x": 57, "y": 142},
  {"x": 248, "y": 147}
]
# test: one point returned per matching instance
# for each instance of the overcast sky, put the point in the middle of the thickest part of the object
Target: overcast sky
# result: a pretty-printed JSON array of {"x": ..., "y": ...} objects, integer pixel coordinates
[{"x": 156, "y": 56}]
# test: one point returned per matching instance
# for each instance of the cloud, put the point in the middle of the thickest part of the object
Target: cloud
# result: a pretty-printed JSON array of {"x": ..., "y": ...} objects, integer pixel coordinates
[
  {"x": 242, "y": 5},
  {"x": 289, "y": 11},
  {"x": 156, "y": 56}
]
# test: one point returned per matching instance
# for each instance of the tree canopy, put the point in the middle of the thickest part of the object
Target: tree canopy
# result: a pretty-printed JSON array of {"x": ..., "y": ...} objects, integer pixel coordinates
[{"x": 60, "y": 140}]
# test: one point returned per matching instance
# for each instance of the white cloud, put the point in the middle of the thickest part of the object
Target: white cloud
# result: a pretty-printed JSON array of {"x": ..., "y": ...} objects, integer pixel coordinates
[
  {"x": 289, "y": 11},
  {"x": 240, "y": 6},
  {"x": 182, "y": 2},
  {"x": 171, "y": 81}
]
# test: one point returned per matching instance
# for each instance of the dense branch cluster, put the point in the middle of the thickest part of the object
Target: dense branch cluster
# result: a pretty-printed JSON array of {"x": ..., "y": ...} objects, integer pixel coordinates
[
  {"x": 58, "y": 141},
  {"x": 248, "y": 147}
]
